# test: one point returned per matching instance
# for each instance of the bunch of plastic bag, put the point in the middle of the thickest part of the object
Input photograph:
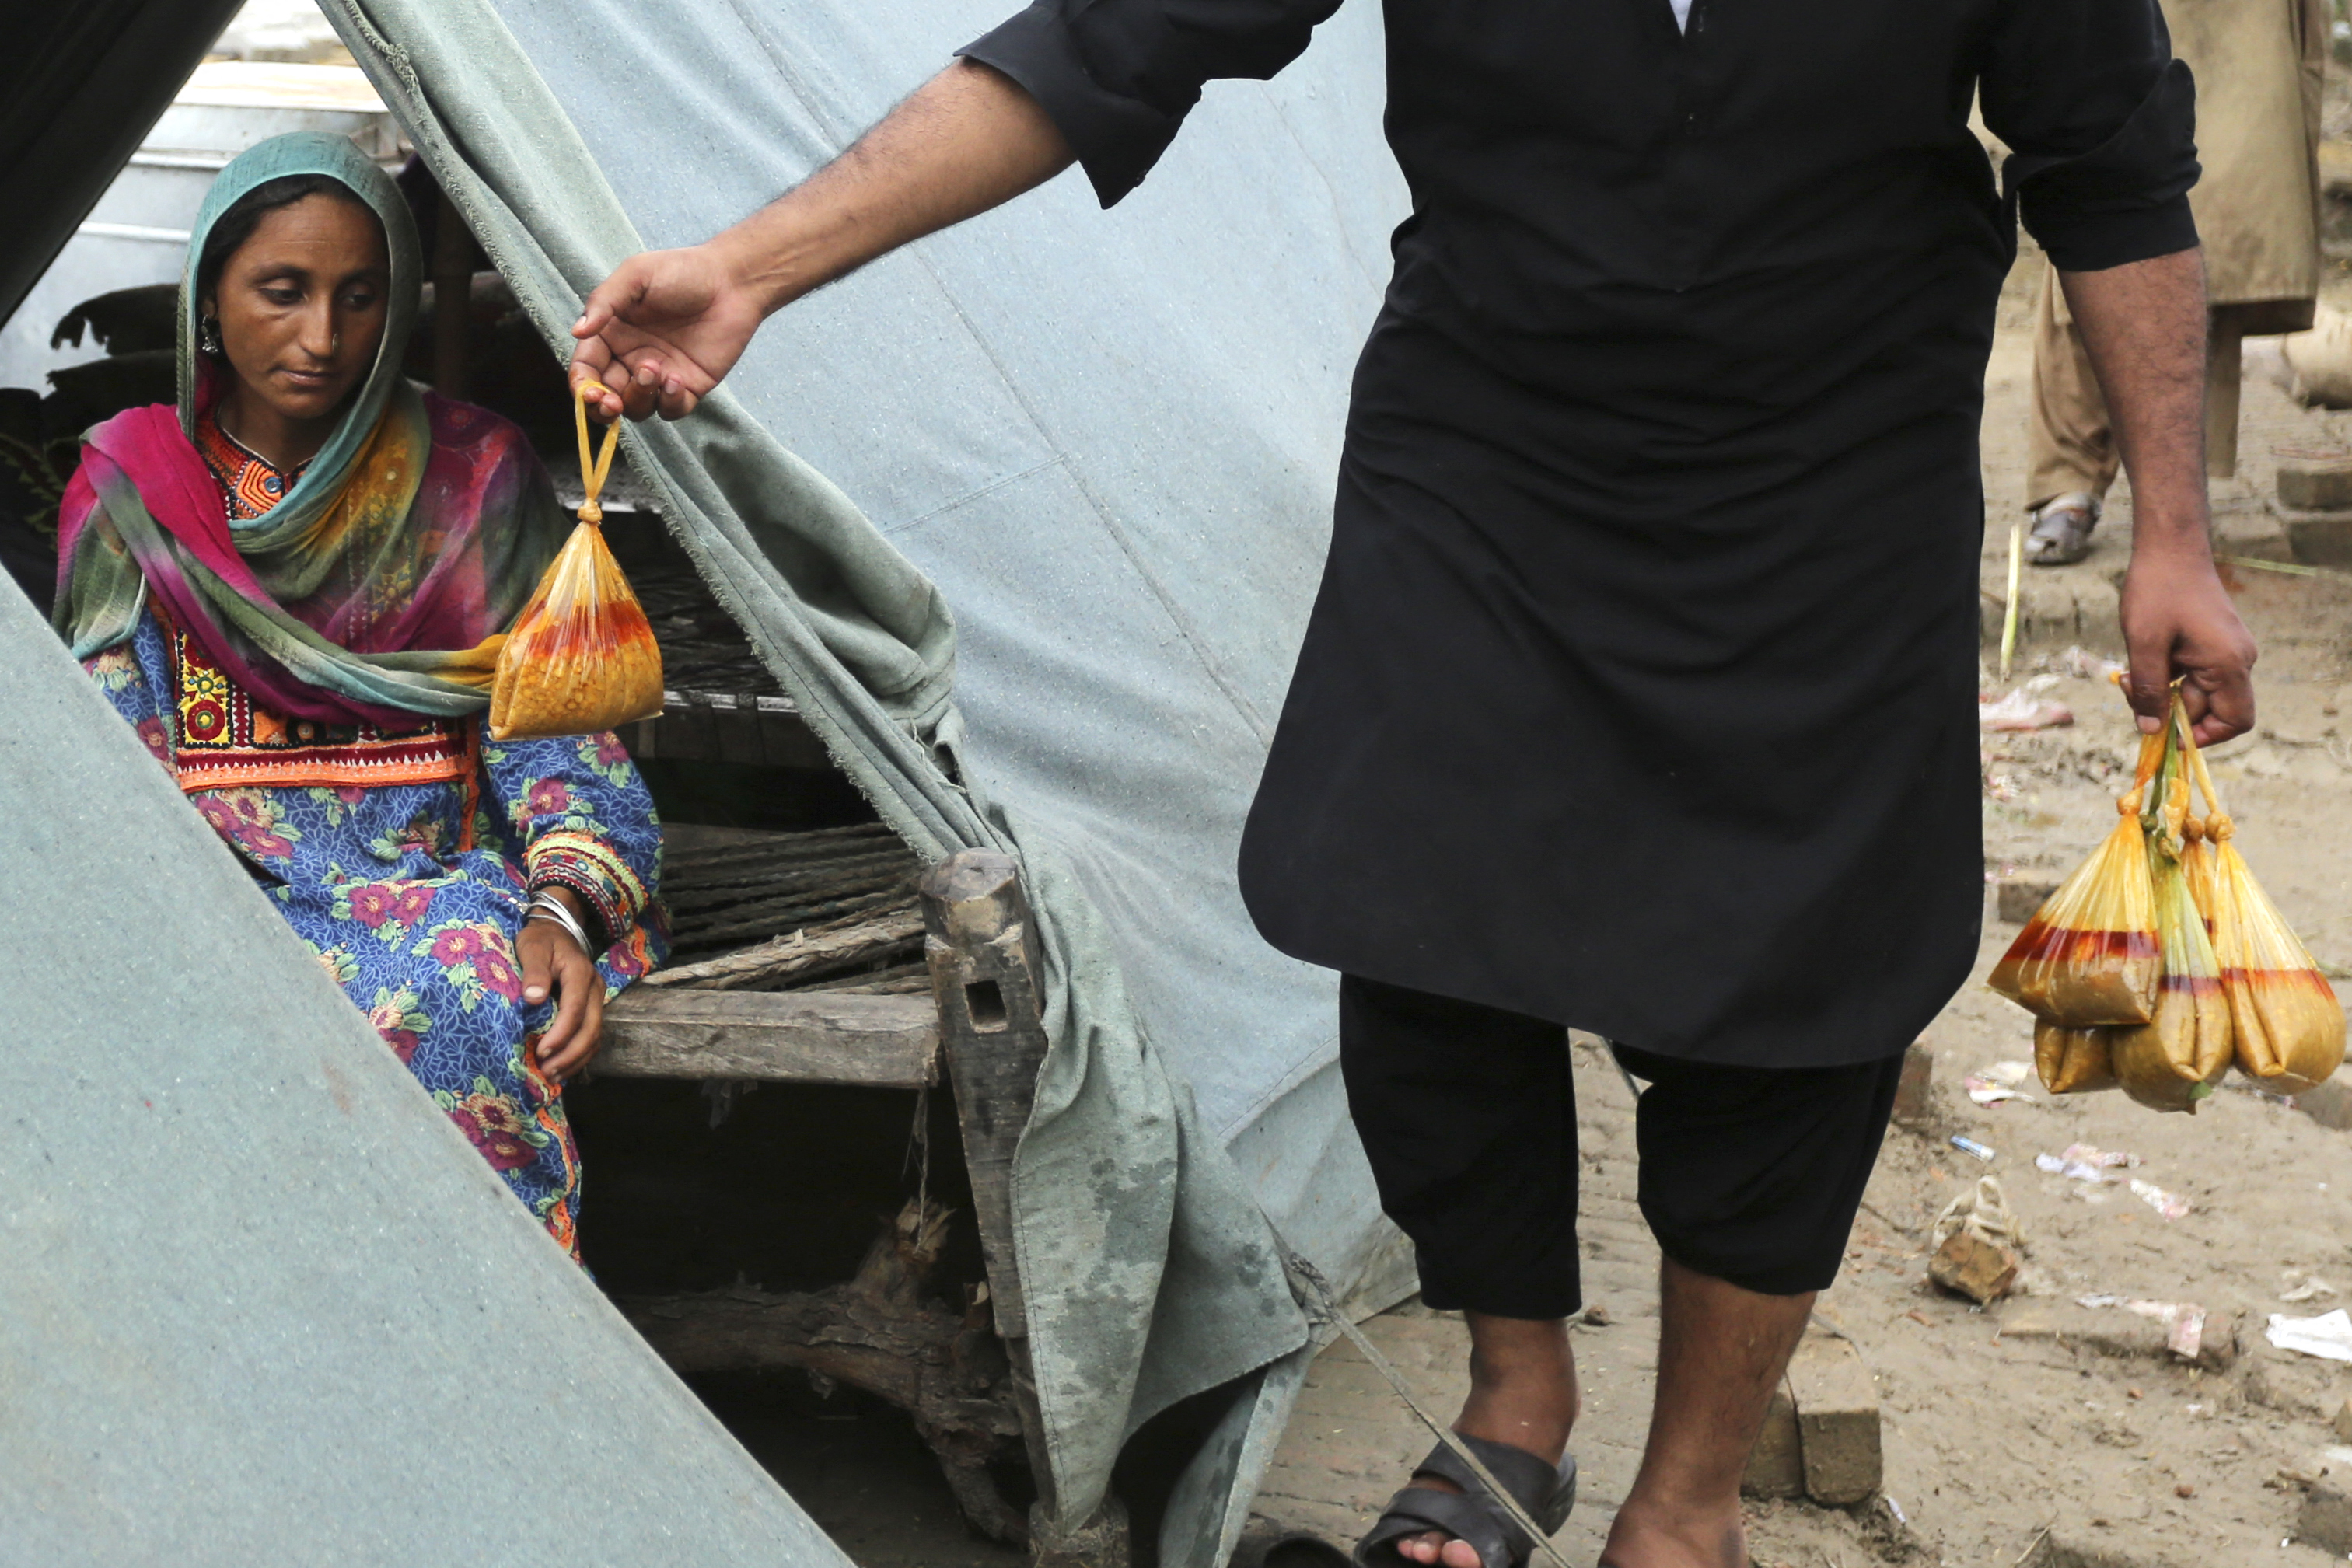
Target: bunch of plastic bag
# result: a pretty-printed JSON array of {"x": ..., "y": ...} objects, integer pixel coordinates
[
  {"x": 581, "y": 656},
  {"x": 2167, "y": 923},
  {"x": 2073, "y": 1060},
  {"x": 2174, "y": 1059},
  {"x": 2089, "y": 955},
  {"x": 2289, "y": 1026}
]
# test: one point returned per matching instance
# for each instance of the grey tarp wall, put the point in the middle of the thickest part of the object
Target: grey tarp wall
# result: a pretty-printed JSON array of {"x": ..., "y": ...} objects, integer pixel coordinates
[
  {"x": 1107, "y": 443},
  {"x": 261, "y": 1305}
]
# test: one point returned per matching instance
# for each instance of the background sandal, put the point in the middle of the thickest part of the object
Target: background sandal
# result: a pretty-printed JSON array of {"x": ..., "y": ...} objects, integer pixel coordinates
[
  {"x": 1471, "y": 1516},
  {"x": 2061, "y": 533}
]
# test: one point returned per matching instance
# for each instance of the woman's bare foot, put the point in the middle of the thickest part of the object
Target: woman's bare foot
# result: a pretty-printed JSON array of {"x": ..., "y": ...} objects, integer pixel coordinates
[{"x": 1522, "y": 1392}]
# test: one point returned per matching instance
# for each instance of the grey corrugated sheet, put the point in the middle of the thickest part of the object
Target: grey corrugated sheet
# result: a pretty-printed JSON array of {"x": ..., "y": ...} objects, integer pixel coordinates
[{"x": 260, "y": 1303}]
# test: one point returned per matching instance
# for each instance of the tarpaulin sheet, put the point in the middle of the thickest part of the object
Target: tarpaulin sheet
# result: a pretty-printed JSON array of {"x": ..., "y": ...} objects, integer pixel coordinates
[
  {"x": 261, "y": 1303},
  {"x": 1046, "y": 495}
]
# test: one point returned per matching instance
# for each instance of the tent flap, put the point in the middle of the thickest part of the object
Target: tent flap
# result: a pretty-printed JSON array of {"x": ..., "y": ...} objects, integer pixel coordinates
[
  {"x": 80, "y": 86},
  {"x": 1108, "y": 442}
]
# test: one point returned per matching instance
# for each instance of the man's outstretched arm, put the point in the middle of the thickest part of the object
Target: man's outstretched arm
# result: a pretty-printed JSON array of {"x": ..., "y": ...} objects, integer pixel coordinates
[
  {"x": 665, "y": 327},
  {"x": 2144, "y": 325}
]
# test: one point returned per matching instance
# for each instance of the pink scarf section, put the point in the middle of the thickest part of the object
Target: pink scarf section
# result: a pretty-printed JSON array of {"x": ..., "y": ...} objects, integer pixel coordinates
[{"x": 426, "y": 586}]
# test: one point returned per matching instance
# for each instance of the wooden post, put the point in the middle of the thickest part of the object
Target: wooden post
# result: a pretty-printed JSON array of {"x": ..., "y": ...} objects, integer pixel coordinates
[
  {"x": 453, "y": 298},
  {"x": 2224, "y": 380},
  {"x": 993, "y": 1033}
]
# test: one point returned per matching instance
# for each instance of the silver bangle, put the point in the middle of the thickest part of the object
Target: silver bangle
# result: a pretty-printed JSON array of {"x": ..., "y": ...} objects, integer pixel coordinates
[{"x": 547, "y": 906}]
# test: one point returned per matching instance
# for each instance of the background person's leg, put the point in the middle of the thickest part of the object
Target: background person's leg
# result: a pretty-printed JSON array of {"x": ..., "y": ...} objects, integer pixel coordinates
[
  {"x": 2225, "y": 377},
  {"x": 2069, "y": 448}
]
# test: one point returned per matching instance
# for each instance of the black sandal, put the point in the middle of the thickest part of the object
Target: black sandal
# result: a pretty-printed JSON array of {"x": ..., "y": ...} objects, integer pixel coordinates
[{"x": 1471, "y": 1516}]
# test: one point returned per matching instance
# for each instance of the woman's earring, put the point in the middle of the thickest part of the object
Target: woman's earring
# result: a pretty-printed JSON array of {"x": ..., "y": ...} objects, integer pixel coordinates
[{"x": 208, "y": 334}]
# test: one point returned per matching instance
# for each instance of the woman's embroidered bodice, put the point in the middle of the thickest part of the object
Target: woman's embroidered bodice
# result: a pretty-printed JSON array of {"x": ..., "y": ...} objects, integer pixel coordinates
[{"x": 250, "y": 483}]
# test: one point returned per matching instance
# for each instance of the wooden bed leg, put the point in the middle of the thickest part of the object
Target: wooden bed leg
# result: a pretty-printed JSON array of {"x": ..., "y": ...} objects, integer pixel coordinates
[{"x": 993, "y": 1033}]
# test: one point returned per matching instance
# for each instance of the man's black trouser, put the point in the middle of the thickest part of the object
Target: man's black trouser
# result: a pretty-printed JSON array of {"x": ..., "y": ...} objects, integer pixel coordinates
[{"x": 1468, "y": 1114}]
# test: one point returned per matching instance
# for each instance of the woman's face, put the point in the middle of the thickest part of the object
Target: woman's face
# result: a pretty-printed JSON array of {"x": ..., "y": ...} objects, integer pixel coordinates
[{"x": 301, "y": 305}]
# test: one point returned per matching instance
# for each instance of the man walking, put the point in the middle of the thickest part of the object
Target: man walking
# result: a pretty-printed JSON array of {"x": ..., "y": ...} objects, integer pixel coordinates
[{"x": 1638, "y": 694}]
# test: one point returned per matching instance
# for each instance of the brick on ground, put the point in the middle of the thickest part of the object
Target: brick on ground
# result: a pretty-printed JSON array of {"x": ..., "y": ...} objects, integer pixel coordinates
[
  {"x": 2324, "y": 1519},
  {"x": 1777, "y": 1468},
  {"x": 1914, "y": 1092},
  {"x": 1837, "y": 1420},
  {"x": 2019, "y": 893}
]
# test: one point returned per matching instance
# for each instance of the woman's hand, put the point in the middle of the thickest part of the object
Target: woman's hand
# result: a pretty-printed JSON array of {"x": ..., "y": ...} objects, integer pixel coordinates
[{"x": 552, "y": 961}]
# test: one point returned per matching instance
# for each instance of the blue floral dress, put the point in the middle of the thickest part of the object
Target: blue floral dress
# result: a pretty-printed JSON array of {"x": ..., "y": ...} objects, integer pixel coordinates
[{"x": 405, "y": 860}]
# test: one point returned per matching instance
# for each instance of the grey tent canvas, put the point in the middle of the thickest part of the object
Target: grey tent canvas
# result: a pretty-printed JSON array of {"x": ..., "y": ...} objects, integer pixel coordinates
[
  {"x": 260, "y": 1303},
  {"x": 1048, "y": 493}
]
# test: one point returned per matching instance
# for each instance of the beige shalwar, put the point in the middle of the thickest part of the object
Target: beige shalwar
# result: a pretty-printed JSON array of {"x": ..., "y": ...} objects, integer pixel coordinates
[{"x": 2259, "y": 66}]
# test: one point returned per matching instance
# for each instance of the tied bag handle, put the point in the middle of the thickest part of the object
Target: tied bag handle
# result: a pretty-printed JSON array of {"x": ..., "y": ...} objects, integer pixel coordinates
[
  {"x": 581, "y": 656},
  {"x": 592, "y": 472}
]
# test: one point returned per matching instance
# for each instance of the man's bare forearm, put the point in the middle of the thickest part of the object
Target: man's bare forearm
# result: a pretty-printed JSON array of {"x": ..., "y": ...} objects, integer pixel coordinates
[
  {"x": 966, "y": 140},
  {"x": 664, "y": 330},
  {"x": 2143, "y": 325}
]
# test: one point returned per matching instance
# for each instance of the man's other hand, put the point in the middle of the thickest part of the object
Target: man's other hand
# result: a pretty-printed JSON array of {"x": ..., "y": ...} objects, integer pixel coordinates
[
  {"x": 2178, "y": 624},
  {"x": 2144, "y": 323},
  {"x": 662, "y": 331}
]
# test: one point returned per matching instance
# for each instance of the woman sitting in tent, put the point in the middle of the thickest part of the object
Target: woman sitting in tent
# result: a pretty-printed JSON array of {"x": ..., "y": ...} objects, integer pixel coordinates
[{"x": 295, "y": 584}]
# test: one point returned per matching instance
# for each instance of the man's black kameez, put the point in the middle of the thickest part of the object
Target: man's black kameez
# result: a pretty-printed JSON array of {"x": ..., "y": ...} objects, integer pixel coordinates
[{"x": 1639, "y": 691}]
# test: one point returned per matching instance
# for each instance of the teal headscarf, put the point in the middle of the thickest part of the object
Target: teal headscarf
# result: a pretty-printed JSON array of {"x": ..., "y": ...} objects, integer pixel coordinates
[{"x": 280, "y": 157}]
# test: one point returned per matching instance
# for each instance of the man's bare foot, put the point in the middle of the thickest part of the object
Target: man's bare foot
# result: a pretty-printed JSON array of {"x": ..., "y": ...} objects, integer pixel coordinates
[
  {"x": 1522, "y": 1392},
  {"x": 1676, "y": 1538},
  {"x": 1721, "y": 1349}
]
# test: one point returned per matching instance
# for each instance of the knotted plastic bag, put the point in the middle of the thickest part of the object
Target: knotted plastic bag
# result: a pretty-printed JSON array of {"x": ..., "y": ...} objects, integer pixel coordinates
[
  {"x": 581, "y": 655},
  {"x": 2289, "y": 1026},
  {"x": 2173, "y": 1061},
  {"x": 2073, "y": 1060},
  {"x": 2089, "y": 955}
]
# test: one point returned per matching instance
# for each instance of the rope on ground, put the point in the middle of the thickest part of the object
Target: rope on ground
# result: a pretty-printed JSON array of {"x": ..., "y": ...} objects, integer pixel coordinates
[
  {"x": 2292, "y": 569},
  {"x": 1307, "y": 1284},
  {"x": 1632, "y": 1086}
]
